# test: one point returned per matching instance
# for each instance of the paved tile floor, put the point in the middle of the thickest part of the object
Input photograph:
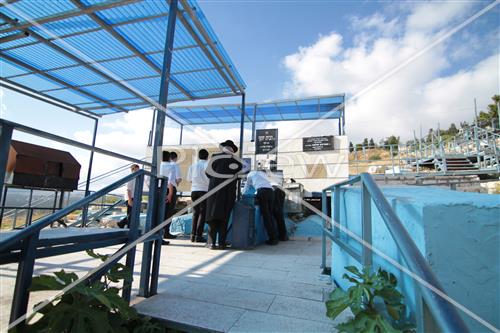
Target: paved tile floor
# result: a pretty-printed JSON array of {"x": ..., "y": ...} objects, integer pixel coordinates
[{"x": 268, "y": 289}]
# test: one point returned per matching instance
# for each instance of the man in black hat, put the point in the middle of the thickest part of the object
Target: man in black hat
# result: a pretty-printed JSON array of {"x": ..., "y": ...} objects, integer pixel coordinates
[{"x": 221, "y": 167}]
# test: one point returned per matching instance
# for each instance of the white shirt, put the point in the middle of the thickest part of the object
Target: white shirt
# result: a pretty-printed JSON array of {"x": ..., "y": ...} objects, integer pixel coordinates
[
  {"x": 130, "y": 189},
  {"x": 257, "y": 180},
  {"x": 176, "y": 174},
  {"x": 196, "y": 175},
  {"x": 172, "y": 171}
]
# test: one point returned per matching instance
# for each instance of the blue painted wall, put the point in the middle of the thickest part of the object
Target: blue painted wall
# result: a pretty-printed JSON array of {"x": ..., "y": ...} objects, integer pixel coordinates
[{"x": 457, "y": 232}]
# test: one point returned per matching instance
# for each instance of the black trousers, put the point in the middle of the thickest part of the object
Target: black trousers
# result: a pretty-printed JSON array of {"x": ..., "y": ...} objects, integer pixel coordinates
[
  {"x": 199, "y": 212},
  {"x": 279, "y": 216},
  {"x": 170, "y": 210},
  {"x": 265, "y": 198},
  {"x": 217, "y": 227}
]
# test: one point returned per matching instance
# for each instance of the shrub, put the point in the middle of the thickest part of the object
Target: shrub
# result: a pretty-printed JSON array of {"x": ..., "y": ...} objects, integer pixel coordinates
[
  {"x": 90, "y": 307},
  {"x": 361, "y": 297}
]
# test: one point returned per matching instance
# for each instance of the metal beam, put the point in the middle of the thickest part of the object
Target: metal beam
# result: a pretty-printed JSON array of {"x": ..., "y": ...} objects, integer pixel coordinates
[
  {"x": 207, "y": 53},
  {"x": 81, "y": 62},
  {"x": 5, "y": 138},
  {"x": 180, "y": 136},
  {"x": 144, "y": 285},
  {"x": 68, "y": 14},
  {"x": 253, "y": 122},
  {"x": 64, "y": 140},
  {"x": 57, "y": 80},
  {"x": 89, "y": 174},
  {"x": 13, "y": 37},
  {"x": 129, "y": 46},
  {"x": 242, "y": 123},
  {"x": 42, "y": 97},
  {"x": 194, "y": 18}
]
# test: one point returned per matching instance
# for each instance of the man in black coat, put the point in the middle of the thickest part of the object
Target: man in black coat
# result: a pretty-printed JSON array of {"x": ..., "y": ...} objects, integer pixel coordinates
[{"x": 221, "y": 167}]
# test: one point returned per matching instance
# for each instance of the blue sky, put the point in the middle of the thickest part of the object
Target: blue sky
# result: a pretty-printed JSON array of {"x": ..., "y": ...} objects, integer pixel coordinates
[{"x": 291, "y": 48}]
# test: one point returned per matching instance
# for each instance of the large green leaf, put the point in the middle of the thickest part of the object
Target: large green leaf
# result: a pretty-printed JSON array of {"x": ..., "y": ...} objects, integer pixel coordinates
[
  {"x": 102, "y": 257},
  {"x": 120, "y": 272},
  {"x": 338, "y": 302},
  {"x": 46, "y": 282}
]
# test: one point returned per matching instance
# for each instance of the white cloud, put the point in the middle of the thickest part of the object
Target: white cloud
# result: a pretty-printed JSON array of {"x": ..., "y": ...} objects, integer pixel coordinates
[{"x": 416, "y": 94}]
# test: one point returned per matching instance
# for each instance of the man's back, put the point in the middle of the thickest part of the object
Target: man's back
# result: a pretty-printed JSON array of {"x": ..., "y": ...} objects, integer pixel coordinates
[{"x": 197, "y": 176}]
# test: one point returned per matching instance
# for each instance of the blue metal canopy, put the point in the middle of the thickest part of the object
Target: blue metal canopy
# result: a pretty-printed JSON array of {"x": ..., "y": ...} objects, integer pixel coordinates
[
  {"x": 327, "y": 107},
  {"x": 102, "y": 56}
]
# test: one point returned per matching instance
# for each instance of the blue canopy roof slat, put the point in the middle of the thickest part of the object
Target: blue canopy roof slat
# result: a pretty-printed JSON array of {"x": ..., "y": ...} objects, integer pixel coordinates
[
  {"x": 328, "y": 107},
  {"x": 101, "y": 51}
]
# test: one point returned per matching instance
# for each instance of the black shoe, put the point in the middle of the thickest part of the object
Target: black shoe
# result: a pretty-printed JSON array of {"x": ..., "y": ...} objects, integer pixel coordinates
[
  {"x": 192, "y": 238},
  {"x": 199, "y": 240},
  {"x": 213, "y": 247},
  {"x": 284, "y": 239},
  {"x": 165, "y": 242},
  {"x": 121, "y": 224},
  {"x": 222, "y": 247},
  {"x": 170, "y": 236},
  {"x": 272, "y": 242}
]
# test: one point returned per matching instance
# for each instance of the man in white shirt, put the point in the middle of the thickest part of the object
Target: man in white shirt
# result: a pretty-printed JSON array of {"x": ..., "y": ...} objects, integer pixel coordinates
[
  {"x": 174, "y": 179},
  {"x": 265, "y": 194},
  {"x": 129, "y": 197},
  {"x": 199, "y": 187}
]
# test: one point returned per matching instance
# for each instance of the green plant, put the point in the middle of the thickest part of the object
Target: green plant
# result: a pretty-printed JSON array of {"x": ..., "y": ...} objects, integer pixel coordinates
[
  {"x": 375, "y": 157},
  {"x": 90, "y": 307},
  {"x": 364, "y": 298}
]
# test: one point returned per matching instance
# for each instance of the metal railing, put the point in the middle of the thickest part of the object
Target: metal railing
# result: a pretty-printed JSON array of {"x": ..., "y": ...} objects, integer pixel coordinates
[
  {"x": 27, "y": 239},
  {"x": 443, "y": 313}
]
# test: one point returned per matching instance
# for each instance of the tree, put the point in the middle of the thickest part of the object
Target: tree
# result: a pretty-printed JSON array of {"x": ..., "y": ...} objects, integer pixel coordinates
[
  {"x": 372, "y": 143},
  {"x": 452, "y": 130},
  {"x": 392, "y": 140},
  {"x": 351, "y": 147},
  {"x": 490, "y": 116},
  {"x": 365, "y": 142}
]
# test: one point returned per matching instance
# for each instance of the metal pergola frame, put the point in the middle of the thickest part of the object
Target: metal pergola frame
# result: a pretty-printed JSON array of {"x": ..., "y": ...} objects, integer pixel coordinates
[
  {"x": 151, "y": 250},
  {"x": 246, "y": 117}
]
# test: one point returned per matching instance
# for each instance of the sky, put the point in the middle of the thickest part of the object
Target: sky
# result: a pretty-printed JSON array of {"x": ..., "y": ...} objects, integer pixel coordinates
[{"x": 402, "y": 65}]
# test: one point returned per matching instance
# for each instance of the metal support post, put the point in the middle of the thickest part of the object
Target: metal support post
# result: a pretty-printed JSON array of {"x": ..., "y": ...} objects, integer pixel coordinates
[
  {"x": 323, "y": 233},
  {"x": 151, "y": 222},
  {"x": 2, "y": 208},
  {"x": 89, "y": 173},
  {"x": 155, "y": 271},
  {"x": 28, "y": 210},
  {"x": 336, "y": 211},
  {"x": 23, "y": 278},
  {"x": 5, "y": 138},
  {"x": 253, "y": 122},
  {"x": 180, "y": 136},
  {"x": 158, "y": 141},
  {"x": 366, "y": 222},
  {"x": 133, "y": 233},
  {"x": 392, "y": 159},
  {"x": 478, "y": 146},
  {"x": 242, "y": 123},
  {"x": 242, "y": 128}
]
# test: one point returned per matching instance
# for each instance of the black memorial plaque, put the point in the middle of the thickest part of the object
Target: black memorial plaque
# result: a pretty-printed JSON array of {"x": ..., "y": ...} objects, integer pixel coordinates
[
  {"x": 266, "y": 140},
  {"x": 317, "y": 143}
]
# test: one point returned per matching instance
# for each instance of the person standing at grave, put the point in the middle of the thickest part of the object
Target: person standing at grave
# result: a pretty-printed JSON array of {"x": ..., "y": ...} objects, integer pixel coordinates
[
  {"x": 199, "y": 187},
  {"x": 222, "y": 167},
  {"x": 259, "y": 181}
]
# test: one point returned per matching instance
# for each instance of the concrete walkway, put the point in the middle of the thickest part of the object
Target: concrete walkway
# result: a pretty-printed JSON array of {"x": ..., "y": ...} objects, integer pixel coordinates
[{"x": 268, "y": 289}]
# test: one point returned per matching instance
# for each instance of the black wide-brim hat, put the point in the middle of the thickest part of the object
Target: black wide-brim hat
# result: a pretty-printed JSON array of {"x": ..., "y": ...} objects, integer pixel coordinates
[{"x": 229, "y": 143}]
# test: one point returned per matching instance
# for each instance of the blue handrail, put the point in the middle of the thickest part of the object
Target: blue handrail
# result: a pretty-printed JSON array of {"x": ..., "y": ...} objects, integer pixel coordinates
[
  {"x": 47, "y": 220},
  {"x": 444, "y": 313}
]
